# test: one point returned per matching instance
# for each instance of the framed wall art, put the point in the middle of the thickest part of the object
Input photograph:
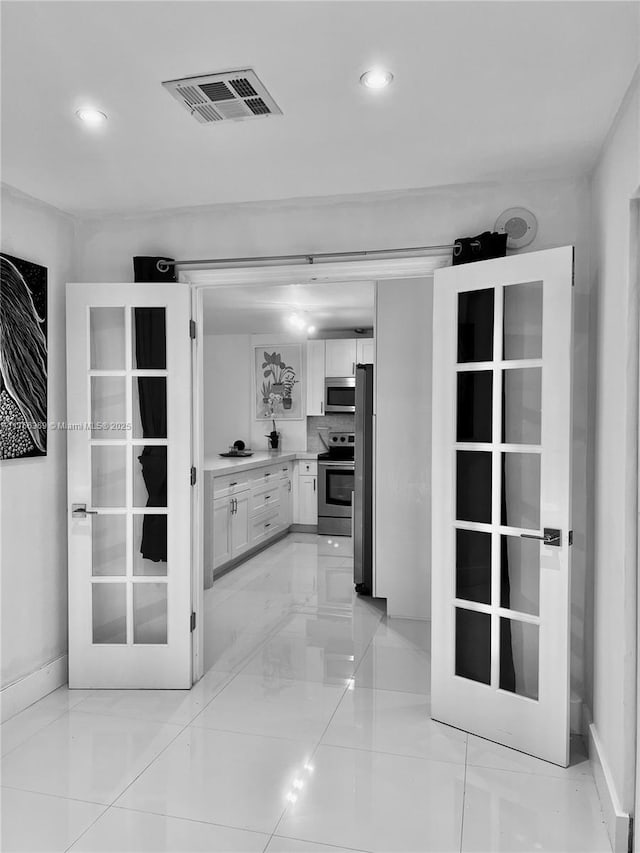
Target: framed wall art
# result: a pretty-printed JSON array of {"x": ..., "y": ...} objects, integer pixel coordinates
[
  {"x": 23, "y": 358},
  {"x": 278, "y": 374}
]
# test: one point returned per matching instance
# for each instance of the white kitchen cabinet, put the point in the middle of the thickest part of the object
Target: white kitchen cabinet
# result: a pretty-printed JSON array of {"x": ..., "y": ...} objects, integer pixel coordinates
[
  {"x": 340, "y": 357},
  {"x": 286, "y": 499},
  {"x": 221, "y": 532},
  {"x": 240, "y": 525},
  {"x": 230, "y": 528},
  {"x": 315, "y": 377},
  {"x": 365, "y": 351},
  {"x": 307, "y": 506}
]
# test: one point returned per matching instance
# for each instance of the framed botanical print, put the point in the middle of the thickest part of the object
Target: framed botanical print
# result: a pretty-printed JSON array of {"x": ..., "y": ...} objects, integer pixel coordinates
[{"x": 278, "y": 373}]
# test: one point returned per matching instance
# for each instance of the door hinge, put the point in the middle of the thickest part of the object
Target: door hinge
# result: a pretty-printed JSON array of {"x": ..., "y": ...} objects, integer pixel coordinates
[
  {"x": 192, "y": 476},
  {"x": 192, "y": 329},
  {"x": 192, "y": 621}
]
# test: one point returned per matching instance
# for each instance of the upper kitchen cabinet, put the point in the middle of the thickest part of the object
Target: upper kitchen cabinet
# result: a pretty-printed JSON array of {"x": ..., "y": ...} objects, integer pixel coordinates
[
  {"x": 315, "y": 377},
  {"x": 343, "y": 354},
  {"x": 365, "y": 351},
  {"x": 340, "y": 357}
]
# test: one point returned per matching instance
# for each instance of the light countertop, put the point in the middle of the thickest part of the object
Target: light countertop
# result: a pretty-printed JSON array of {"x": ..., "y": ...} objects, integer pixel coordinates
[{"x": 225, "y": 465}]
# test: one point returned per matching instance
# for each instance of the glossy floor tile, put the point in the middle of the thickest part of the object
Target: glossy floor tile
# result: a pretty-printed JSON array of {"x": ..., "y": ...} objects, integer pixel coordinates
[
  {"x": 89, "y": 757},
  {"x": 38, "y": 822},
  {"x": 378, "y": 802},
  {"x": 237, "y": 780},
  {"x": 19, "y": 728},
  {"x": 298, "y": 710},
  {"x": 512, "y": 812},
  {"x": 391, "y": 721},
  {"x": 124, "y": 831},
  {"x": 310, "y": 733},
  {"x": 394, "y": 668},
  {"x": 278, "y": 844}
]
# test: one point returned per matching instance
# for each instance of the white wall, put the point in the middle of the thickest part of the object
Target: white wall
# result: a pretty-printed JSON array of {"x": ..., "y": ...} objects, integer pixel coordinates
[
  {"x": 33, "y": 491},
  {"x": 612, "y": 692},
  {"x": 227, "y": 391},
  {"x": 403, "y": 446}
]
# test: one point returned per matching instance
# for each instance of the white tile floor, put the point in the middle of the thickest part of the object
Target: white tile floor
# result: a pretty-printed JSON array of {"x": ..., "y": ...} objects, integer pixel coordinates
[{"x": 310, "y": 732}]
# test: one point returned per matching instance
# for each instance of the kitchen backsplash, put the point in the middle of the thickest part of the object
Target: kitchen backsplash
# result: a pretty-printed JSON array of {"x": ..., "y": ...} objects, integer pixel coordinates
[{"x": 327, "y": 423}]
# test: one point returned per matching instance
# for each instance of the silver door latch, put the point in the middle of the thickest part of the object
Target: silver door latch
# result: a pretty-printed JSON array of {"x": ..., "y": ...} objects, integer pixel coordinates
[
  {"x": 552, "y": 536},
  {"x": 81, "y": 511}
]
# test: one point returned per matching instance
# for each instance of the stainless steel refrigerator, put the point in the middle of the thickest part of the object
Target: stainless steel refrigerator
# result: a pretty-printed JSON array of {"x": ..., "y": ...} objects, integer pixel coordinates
[{"x": 363, "y": 482}]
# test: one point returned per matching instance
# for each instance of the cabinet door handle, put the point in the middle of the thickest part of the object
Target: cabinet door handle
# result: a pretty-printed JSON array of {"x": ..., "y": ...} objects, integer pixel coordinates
[
  {"x": 314, "y": 485},
  {"x": 289, "y": 485},
  {"x": 268, "y": 474},
  {"x": 353, "y": 367},
  {"x": 268, "y": 525},
  {"x": 266, "y": 497},
  {"x": 233, "y": 484},
  {"x": 321, "y": 407}
]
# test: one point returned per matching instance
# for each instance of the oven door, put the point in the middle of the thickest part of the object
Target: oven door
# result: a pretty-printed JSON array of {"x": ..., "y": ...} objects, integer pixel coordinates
[{"x": 335, "y": 486}]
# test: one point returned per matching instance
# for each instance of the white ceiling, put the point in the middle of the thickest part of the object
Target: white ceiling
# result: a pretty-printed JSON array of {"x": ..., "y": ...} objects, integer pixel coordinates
[
  {"x": 482, "y": 91},
  {"x": 258, "y": 309}
]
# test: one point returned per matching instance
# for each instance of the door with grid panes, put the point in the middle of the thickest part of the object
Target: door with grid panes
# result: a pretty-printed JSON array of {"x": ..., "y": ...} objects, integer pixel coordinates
[
  {"x": 501, "y": 500},
  {"x": 129, "y": 502}
]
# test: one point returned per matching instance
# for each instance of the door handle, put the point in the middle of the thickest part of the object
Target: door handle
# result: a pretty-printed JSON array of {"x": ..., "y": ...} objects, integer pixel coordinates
[
  {"x": 81, "y": 511},
  {"x": 314, "y": 484},
  {"x": 552, "y": 536}
]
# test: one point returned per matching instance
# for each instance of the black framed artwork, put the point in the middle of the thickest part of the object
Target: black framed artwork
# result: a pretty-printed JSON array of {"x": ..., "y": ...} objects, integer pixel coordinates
[{"x": 23, "y": 358}]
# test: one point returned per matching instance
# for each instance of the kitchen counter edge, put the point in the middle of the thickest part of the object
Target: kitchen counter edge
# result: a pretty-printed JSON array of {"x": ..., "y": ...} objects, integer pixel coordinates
[{"x": 220, "y": 465}]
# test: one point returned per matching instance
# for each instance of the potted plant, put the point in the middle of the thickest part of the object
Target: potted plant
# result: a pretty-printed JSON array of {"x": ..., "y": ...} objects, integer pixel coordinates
[{"x": 274, "y": 437}]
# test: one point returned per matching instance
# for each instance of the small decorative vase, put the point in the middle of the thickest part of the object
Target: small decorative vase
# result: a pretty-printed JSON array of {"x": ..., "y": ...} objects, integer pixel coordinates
[
  {"x": 287, "y": 402},
  {"x": 277, "y": 388}
]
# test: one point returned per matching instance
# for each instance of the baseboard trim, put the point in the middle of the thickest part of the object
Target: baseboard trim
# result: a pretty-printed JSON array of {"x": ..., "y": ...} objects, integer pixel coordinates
[
  {"x": 618, "y": 822},
  {"x": 30, "y": 688}
]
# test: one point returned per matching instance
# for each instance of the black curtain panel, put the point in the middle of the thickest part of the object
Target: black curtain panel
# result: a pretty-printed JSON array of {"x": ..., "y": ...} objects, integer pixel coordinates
[{"x": 150, "y": 329}]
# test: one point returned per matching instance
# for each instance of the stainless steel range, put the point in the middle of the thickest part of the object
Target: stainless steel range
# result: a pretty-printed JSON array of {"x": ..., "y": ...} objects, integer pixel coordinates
[{"x": 336, "y": 469}]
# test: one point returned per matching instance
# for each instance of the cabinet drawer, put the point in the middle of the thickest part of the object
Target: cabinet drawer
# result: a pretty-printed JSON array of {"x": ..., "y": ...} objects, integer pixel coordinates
[
  {"x": 265, "y": 496},
  {"x": 284, "y": 470},
  {"x": 230, "y": 484},
  {"x": 307, "y": 467},
  {"x": 263, "y": 476},
  {"x": 264, "y": 527}
]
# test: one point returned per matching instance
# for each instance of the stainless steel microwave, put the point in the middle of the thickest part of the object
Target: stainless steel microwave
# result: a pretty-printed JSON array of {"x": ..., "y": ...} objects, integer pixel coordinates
[{"x": 340, "y": 394}]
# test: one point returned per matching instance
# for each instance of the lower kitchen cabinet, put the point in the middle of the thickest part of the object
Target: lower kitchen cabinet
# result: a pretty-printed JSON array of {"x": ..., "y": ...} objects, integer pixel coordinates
[
  {"x": 247, "y": 510},
  {"x": 230, "y": 528},
  {"x": 307, "y": 504}
]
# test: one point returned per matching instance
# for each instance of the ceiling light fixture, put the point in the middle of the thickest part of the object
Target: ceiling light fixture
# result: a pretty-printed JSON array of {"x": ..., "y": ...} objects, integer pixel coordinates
[
  {"x": 91, "y": 117},
  {"x": 300, "y": 324},
  {"x": 376, "y": 78}
]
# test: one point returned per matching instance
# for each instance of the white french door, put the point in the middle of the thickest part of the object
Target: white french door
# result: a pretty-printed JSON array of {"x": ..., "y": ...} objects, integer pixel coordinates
[
  {"x": 501, "y": 500},
  {"x": 129, "y": 502}
]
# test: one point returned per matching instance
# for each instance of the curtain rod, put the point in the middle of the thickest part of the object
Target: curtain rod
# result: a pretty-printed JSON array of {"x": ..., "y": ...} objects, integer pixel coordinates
[{"x": 164, "y": 263}]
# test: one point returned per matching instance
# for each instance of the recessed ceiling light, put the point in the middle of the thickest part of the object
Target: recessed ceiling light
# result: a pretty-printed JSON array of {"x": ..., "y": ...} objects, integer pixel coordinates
[
  {"x": 376, "y": 78},
  {"x": 91, "y": 116}
]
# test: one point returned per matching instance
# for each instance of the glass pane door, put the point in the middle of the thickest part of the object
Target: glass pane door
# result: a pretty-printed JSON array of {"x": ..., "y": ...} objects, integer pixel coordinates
[
  {"x": 130, "y": 420},
  {"x": 501, "y": 475}
]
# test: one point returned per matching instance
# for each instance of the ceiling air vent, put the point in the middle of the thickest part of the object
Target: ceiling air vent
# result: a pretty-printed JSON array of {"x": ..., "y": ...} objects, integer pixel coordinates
[{"x": 228, "y": 96}]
